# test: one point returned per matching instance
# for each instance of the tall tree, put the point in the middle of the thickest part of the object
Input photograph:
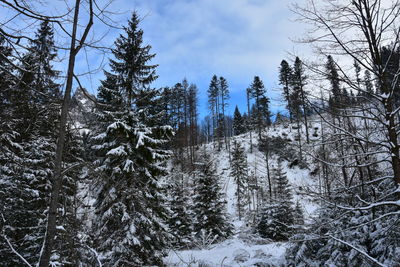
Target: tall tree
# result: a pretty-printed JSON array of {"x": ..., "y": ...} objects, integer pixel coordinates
[
  {"x": 193, "y": 117},
  {"x": 277, "y": 217},
  {"x": 209, "y": 205},
  {"x": 130, "y": 214},
  {"x": 36, "y": 99},
  {"x": 224, "y": 92},
  {"x": 333, "y": 77},
  {"x": 298, "y": 83},
  {"x": 262, "y": 116},
  {"x": 238, "y": 123},
  {"x": 285, "y": 75},
  {"x": 213, "y": 102},
  {"x": 249, "y": 122},
  {"x": 56, "y": 187},
  {"x": 239, "y": 171}
]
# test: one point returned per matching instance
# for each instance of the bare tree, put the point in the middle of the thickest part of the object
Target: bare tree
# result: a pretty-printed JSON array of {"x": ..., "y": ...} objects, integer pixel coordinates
[
  {"x": 358, "y": 30},
  {"x": 359, "y": 146},
  {"x": 78, "y": 35}
]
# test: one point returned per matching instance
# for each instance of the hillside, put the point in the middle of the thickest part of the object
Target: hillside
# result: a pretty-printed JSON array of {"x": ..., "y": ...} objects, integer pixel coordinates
[{"x": 245, "y": 247}]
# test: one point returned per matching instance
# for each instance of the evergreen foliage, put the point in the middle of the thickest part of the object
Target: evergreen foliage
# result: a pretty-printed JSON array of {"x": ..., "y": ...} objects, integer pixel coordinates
[
  {"x": 239, "y": 126},
  {"x": 260, "y": 112},
  {"x": 239, "y": 171},
  {"x": 335, "y": 233},
  {"x": 277, "y": 217},
  {"x": 130, "y": 215},
  {"x": 29, "y": 144},
  {"x": 333, "y": 78},
  {"x": 209, "y": 206},
  {"x": 285, "y": 79},
  {"x": 181, "y": 219}
]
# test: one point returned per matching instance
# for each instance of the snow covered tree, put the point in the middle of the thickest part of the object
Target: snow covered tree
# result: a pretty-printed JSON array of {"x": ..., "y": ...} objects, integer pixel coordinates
[
  {"x": 209, "y": 204},
  {"x": 277, "y": 219},
  {"x": 369, "y": 87},
  {"x": 239, "y": 171},
  {"x": 181, "y": 219},
  {"x": 298, "y": 215},
  {"x": 130, "y": 212},
  {"x": 35, "y": 101},
  {"x": 352, "y": 228}
]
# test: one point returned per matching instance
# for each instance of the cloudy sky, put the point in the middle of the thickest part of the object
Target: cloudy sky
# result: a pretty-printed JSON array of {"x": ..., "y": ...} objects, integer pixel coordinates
[{"x": 236, "y": 39}]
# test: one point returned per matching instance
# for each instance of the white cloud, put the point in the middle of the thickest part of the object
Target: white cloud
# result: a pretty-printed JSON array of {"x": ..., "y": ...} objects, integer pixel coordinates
[{"x": 237, "y": 37}]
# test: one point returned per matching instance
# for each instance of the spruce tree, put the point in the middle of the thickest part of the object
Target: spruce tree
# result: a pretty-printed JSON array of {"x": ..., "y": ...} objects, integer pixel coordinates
[
  {"x": 209, "y": 206},
  {"x": 181, "y": 219},
  {"x": 224, "y": 92},
  {"x": 277, "y": 219},
  {"x": 285, "y": 76},
  {"x": 298, "y": 83},
  {"x": 333, "y": 77},
  {"x": 298, "y": 215},
  {"x": 261, "y": 110},
  {"x": 129, "y": 228},
  {"x": 238, "y": 122},
  {"x": 239, "y": 171},
  {"x": 34, "y": 100},
  {"x": 213, "y": 102}
]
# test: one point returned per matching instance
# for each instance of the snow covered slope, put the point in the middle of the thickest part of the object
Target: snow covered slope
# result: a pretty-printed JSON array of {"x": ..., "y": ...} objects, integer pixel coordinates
[{"x": 245, "y": 248}]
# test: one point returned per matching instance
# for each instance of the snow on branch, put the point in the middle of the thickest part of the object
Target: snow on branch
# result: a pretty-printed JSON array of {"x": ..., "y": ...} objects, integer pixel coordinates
[
  {"x": 11, "y": 246},
  {"x": 358, "y": 250}
]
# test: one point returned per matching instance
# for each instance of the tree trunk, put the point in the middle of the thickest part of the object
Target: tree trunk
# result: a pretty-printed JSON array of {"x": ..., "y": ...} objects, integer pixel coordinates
[{"x": 57, "y": 178}]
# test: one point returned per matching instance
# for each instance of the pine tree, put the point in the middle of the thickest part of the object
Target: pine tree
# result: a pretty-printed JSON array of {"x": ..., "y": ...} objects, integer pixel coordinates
[
  {"x": 209, "y": 206},
  {"x": 239, "y": 171},
  {"x": 129, "y": 227},
  {"x": 298, "y": 83},
  {"x": 261, "y": 111},
  {"x": 277, "y": 219},
  {"x": 298, "y": 215},
  {"x": 333, "y": 77},
  {"x": 357, "y": 70},
  {"x": 34, "y": 100},
  {"x": 181, "y": 218},
  {"x": 390, "y": 60},
  {"x": 213, "y": 102},
  {"x": 238, "y": 122},
  {"x": 285, "y": 76},
  {"x": 224, "y": 92},
  {"x": 193, "y": 117}
]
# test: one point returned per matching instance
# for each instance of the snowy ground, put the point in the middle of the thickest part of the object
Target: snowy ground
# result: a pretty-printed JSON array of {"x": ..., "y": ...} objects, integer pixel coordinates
[
  {"x": 232, "y": 252},
  {"x": 239, "y": 250}
]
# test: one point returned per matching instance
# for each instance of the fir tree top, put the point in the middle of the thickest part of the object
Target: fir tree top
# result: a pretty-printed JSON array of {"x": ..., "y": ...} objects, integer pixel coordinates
[{"x": 132, "y": 57}]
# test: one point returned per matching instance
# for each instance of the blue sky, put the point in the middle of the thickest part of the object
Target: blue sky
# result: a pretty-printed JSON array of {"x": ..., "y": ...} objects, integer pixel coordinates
[{"x": 236, "y": 39}]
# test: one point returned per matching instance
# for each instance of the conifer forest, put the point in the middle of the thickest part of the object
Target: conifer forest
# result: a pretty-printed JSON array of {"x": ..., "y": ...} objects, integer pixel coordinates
[{"x": 106, "y": 167}]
